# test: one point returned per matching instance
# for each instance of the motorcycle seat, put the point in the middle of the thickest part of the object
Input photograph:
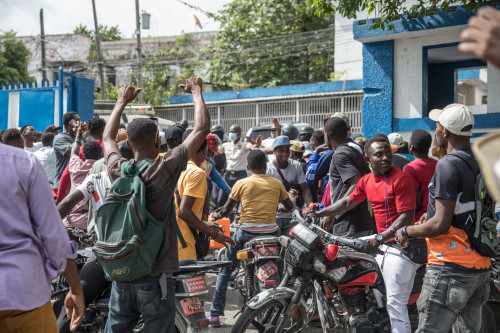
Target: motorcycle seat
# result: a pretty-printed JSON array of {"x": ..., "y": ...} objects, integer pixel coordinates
[
  {"x": 264, "y": 239},
  {"x": 193, "y": 266}
]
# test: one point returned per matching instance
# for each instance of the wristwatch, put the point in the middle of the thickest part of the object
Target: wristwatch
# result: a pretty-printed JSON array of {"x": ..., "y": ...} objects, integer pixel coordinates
[
  {"x": 379, "y": 238},
  {"x": 404, "y": 234}
]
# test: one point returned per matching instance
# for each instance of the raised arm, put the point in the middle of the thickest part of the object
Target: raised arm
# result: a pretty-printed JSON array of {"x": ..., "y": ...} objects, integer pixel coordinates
[
  {"x": 126, "y": 94},
  {"x": 201, "y": 116},
  {"x": 81, "y": 134}
]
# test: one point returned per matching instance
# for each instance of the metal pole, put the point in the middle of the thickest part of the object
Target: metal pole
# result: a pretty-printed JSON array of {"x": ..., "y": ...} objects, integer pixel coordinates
[
  {"x": 139, "y": 60},
  {"x": 297, "y": 111},
  {"x": 42, "y": 37},
  {"x": 99, "y": 54}
]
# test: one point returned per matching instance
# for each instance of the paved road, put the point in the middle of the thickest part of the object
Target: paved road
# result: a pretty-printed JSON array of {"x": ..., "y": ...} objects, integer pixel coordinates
[{"x": 234, "y": 303}]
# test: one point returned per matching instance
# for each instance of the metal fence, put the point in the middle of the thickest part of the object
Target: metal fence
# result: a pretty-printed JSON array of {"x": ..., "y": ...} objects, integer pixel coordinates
[{"x": 295, "y": 109}]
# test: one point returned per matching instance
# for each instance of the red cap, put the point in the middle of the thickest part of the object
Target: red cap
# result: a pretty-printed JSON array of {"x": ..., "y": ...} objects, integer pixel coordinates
[{"x": 213, "y": 142}]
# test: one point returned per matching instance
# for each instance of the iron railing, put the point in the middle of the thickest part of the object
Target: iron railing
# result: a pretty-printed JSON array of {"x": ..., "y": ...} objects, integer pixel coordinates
[{"x": 295, "y": 109}]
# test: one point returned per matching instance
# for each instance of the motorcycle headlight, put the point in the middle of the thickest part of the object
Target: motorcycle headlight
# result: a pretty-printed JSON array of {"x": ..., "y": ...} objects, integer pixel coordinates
[{"x": 336, "y": 274}]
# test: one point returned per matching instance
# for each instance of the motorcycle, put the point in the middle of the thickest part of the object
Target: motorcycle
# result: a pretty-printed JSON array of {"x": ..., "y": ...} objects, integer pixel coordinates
[
  {"x": 190, "y": 282},
  {"x": 259, "y": 266},
  {"x": 345, "y": 284}
]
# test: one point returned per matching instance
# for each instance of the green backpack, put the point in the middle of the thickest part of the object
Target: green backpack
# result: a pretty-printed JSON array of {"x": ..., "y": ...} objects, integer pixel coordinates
[{"x": 129, "y": 236}]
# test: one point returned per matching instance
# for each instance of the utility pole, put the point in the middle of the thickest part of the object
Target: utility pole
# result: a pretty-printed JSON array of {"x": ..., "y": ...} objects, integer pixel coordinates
[
  {"x": 99, "y": 54},
  {"x": 42, "y": 39},
  {"x": 139, "y": 57}
]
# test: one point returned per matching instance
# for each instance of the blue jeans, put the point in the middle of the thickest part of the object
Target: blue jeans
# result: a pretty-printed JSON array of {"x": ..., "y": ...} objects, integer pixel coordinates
[
  {"x": 219, "y": 298},
  {"x": 452, "y": 300},
  {"x": 129, "y": 300}
]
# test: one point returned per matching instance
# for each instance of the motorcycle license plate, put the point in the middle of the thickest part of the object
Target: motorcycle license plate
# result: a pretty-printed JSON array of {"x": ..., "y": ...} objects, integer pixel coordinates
[
  {"x": 267, "y": 251},
  {"x": 266, "y": 271},
  {"x": 192, "y": 305}
]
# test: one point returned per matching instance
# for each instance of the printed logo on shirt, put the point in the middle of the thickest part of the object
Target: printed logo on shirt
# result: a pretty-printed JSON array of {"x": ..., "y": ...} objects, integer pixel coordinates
[{"x": 90, "y": 187}]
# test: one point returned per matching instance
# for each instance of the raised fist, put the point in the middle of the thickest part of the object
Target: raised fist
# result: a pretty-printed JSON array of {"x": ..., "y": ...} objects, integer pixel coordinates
[{"x": 192, "y": 84}]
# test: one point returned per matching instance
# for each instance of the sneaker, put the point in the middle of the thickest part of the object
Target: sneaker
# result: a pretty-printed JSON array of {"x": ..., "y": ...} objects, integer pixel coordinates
[{"x": 213, "y": 321}]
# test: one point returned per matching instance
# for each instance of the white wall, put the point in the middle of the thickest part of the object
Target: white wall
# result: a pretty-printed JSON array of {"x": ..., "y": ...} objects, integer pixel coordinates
[
  {"x": 408, "y": 70},
  {"x": 493, "y": 89},
  {"x": 348, "y": 52}
]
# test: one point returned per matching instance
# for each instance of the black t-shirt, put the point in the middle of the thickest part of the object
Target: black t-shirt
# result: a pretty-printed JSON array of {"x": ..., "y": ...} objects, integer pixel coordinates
[
  {"x": 454, "y": 180},
  {"x": 346, "y": 163},
  {"x": 160, "y": 178}
]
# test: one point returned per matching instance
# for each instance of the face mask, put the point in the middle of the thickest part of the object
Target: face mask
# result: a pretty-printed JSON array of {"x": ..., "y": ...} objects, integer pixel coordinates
[{"x": 233, "y": 136}]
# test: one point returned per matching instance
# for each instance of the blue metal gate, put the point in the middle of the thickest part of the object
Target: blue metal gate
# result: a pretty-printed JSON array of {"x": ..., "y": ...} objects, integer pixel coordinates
[{"x": 44, "y": 105}]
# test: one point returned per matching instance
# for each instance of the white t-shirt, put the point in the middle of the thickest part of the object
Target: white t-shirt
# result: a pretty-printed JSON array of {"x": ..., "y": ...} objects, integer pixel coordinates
[
  {"x": 94, "y": 188},
  {"x": 293, "y": 173},
  {"x": 36, "y": 146},
  {"x": 47, "y": 157},
  {"x": 236, "y": 155}
]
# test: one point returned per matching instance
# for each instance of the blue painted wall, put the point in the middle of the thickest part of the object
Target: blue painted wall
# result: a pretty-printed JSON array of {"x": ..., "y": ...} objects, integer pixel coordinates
[
  {"x": 481, "y": 121},
  {"x": 441, "y": 19},
  {"x": 84, "y": 98},
  {"x": 441, "y": 84},
  {"x": 469, "y": 74},
  {"x": 274, "y": 91},
  {"x": 4, "y": 110},
  {"x": 378, "y": 69},
  {"x": 36, "y": 108}
]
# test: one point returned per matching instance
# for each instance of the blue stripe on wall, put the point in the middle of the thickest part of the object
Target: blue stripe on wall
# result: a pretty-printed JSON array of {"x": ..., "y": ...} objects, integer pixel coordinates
[
  {"x": 4, "y": 110},
  {"x": 490, "y": 120},
  {"x": 310, "y": 88},
  {"x": 441, "y": 19},
  {"x": 378, "y": 69},
  {"x": 469, "y": 74},
  {"x": 36, "y": 108}
]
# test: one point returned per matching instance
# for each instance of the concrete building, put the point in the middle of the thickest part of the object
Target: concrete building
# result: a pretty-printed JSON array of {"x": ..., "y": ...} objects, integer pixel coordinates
[
  {"x": 120, "y": 57},
  {"x": 414, "y": 69},
  {"x": 68, "y": 50}
]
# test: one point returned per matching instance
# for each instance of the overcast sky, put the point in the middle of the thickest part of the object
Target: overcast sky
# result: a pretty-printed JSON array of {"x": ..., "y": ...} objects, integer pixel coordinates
[{"x": 168, "y": 17}]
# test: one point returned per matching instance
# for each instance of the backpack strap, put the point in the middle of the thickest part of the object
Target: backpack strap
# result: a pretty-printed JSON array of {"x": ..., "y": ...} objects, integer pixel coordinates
[
  {"x": 285, "y": 181},
  {"x": 176, "y": 227},
  {"x": 178, "y": 197},
  {"x": 468, "y": 160},
  {"x": 135, "y": 169}
]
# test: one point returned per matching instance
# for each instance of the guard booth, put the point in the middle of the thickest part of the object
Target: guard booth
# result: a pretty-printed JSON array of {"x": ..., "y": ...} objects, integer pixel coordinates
[{"x": 44, "y": 104}]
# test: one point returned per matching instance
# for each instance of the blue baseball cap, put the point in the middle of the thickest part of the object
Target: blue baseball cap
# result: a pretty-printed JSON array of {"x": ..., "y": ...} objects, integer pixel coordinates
[{"x": 281, "y": 141}]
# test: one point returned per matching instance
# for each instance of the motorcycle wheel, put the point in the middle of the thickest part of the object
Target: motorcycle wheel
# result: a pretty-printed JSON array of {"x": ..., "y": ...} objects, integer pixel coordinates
[
  {"x": 180, "y": 324},
  {"x": 266, "y": 318},
  {"x": 487, "y": 320}
]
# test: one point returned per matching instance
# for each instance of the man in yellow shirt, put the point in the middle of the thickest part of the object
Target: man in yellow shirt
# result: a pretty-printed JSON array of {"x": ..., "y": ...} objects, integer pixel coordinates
[
  {"x": 192, "y": 190},
  {"x": 260, "y": 195}
]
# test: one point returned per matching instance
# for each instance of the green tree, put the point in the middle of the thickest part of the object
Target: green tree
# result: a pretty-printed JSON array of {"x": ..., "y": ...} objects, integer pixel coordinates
[
  {"x": 388, "y": 10},
  {"x": 155, "y": 82},
  {"x": 265, "y": 43},
  {"x": 13, "y": 59},
  {"x": 106, "y": 33}
]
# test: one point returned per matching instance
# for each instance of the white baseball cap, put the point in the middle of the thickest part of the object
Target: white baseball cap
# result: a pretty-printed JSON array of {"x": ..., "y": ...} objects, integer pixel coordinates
[
  {"x": 454, "y": 118},
  {"x": 396, "y": 139}
]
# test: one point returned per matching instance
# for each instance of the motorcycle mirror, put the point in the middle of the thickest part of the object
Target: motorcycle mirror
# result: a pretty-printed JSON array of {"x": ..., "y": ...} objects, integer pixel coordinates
[{"x": 331, "y": 252}]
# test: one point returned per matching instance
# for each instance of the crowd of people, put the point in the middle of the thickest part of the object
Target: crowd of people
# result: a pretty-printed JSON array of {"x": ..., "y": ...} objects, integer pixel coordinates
[{"x": 383, "y": 189}]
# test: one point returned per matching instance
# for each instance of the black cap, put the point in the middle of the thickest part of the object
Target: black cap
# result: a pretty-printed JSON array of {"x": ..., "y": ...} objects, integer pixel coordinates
[
  {"x": 52, "y": 128},
  {"x": 174, "y": 132},
  {"x": 125, "y": 150}
]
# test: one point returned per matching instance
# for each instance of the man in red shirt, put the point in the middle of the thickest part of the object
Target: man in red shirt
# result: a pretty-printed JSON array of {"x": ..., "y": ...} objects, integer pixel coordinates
[
  {"x": 421, "y": 169},
  {"x": 391, "y": 194}
]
